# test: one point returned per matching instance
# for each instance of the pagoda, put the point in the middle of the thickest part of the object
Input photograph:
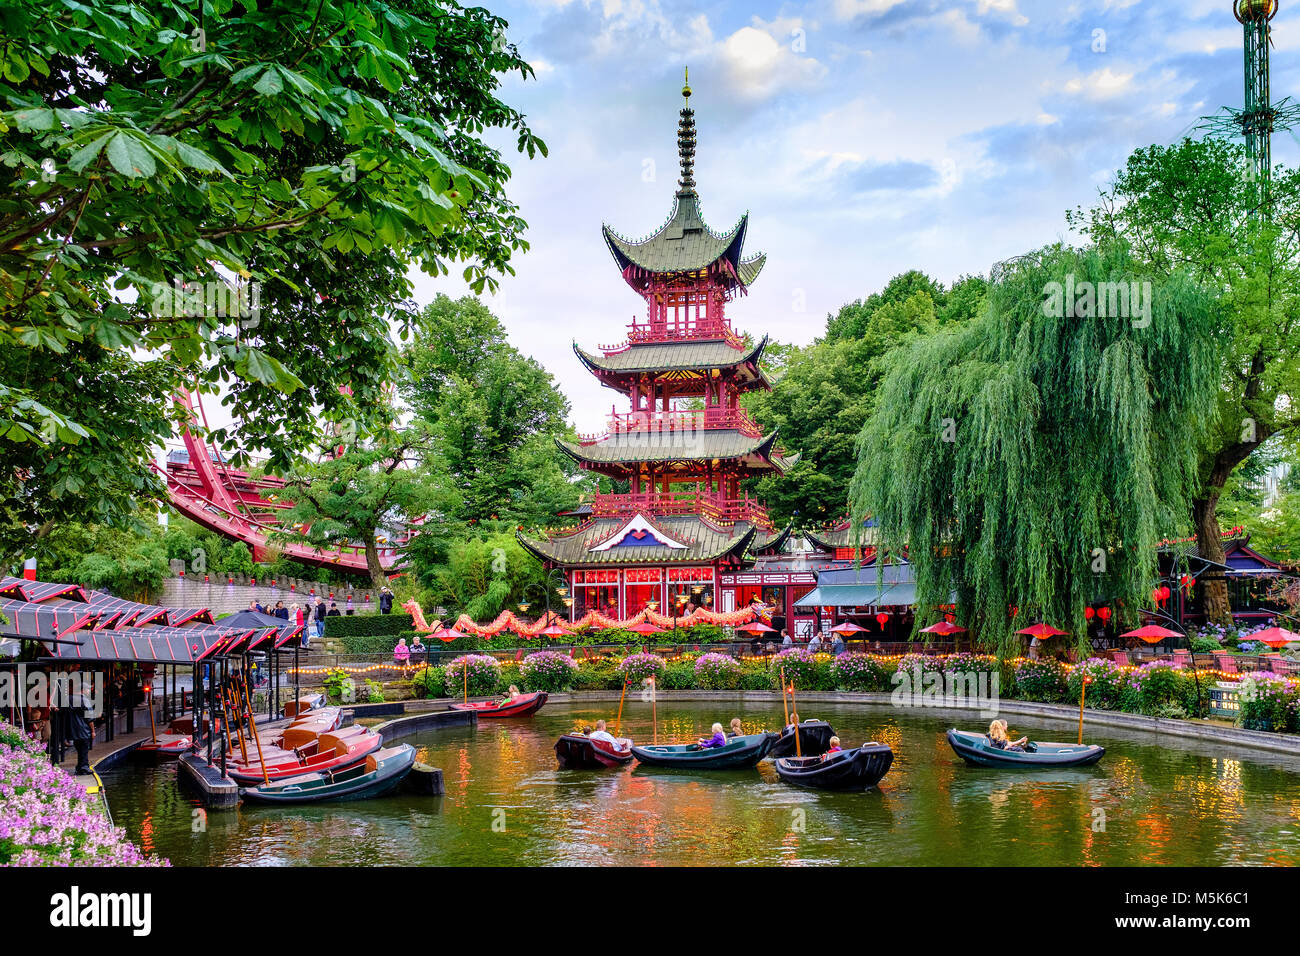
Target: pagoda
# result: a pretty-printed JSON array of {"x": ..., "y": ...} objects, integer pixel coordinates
[{"x": 685, "y": 444}]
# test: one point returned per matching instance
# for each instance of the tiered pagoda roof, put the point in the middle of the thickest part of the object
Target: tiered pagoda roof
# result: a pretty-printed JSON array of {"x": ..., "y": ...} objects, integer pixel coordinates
[
  {"x": 641, "y": 540},
  {"x": 620, "y": 455},
  {"x": 622, "y": 367}
]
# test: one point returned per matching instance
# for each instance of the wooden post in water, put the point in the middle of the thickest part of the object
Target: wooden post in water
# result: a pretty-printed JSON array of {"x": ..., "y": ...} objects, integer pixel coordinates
[
  {"x": 794, "y": 712},
  {"x": 618, "y": 723},
  {"x": 785, "y": 704},
  {"x": 1083, "y": 692},
  {"x": 654, "y": 707}
]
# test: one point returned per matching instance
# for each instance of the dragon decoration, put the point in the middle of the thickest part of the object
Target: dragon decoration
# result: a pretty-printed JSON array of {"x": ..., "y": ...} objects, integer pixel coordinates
[{"x": 508, "y": 621}]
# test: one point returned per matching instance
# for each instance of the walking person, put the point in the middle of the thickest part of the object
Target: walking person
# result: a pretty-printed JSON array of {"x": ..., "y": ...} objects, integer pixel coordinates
[{"x": 320, "y": 617}]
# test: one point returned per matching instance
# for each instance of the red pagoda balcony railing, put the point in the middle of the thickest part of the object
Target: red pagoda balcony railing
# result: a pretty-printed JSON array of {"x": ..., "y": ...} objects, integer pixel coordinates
[
  {"x": 681, "y": 330},
  {"x": 676, "y": 422},
  {"x": 717, "y": 508}
]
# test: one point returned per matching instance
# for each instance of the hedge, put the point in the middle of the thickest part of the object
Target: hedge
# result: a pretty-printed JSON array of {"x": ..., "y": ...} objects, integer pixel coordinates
[{"x": 369, "y": 625}]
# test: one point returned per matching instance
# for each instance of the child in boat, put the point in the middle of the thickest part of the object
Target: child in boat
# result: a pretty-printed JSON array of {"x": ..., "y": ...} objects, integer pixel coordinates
[
  {"x": 998, "y": 738},
  {"x": 511, "y": 695},
  {"x": 835, "y": 746},
  {"x": 719, "y": 739},
  {"x": 735, "y": 728}
]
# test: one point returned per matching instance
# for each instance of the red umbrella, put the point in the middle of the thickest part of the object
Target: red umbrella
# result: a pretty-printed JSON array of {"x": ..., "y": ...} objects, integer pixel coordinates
[
  {"x": 446, "y": 634},
  {"x": 756, "y": 627},
  {"x": 554, "y": 630},
  {"x": 943, "y": 628},
  {"x": 847, "y": 628},
  {"x": 1152, "y": 633},
  {"x": 1274, "y": 636},
  {"x": 1041, "y": 631},
  {"x": 645, "y": 627}
]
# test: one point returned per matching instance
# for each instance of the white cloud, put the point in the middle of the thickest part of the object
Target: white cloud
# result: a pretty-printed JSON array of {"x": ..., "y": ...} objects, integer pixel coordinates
[
  {"x": 1006, "y": 8},
  {"x": 756, "y": 65},
  {"x": 1101, "y": 84},
  {"x": 852, "y": 9}
]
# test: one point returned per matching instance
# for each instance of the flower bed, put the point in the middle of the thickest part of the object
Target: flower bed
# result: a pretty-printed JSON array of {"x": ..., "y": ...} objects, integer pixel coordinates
[
  {"x": 549, "y": 671},
  {"x": 1269, "y": 702},
  {"x": 717, "y": 672},
  {"x": 46, "y": 817},
  {"x": 861, "y": 672},
  {"x": 484, "y": 675},
  {"x": 637, "y": 667}
]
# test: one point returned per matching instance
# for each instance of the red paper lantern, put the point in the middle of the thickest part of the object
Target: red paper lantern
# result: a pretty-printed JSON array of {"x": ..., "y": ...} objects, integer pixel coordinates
[
  {"x": 1104, "y": 614},
  {"x": 1089, "y": 613},
  {"x": 882, "y": 618}
]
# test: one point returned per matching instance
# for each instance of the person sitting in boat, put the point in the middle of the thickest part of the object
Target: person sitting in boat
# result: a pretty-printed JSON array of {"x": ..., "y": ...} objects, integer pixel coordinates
[
  {"x": 735, "y": 728},
  {"x": 719, "y": 739},
  {"x": 998, "y": 738},
  {"x": 835, "y": 747},
  {"x": 600, "y": 733},
  {"x": 512, "y": 695}
]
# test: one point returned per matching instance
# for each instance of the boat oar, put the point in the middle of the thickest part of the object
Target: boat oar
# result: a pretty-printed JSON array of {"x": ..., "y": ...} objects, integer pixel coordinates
[
  {"x": 252, "y": 730},
  {"x": 618, "y": 723},
  {"x": 239, "y": 722}
]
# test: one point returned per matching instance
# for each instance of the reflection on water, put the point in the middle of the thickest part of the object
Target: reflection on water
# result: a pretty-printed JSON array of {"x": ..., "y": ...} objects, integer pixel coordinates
[{"x": 1177, "y": 804}]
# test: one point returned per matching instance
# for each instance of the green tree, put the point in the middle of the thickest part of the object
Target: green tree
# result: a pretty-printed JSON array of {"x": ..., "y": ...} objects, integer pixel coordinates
[
  {"x": 367, "y": 493},
  {"x": 484, "y": 574},
  {"x": 158, "y": 158},
  {"x": 493, "y": 414},
  {"x": 1189, "y": 207},
  {"x": 1034, "y": 462},
  {"x": 827, "y": 389}
]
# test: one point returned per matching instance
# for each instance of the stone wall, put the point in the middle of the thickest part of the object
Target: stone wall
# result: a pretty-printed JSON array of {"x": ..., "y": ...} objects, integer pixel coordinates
[{"x": 220, "y": 596}]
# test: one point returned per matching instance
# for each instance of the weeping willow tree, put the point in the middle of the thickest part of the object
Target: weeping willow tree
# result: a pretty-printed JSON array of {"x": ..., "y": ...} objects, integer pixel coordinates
[{"x": 1033, "y": 458}]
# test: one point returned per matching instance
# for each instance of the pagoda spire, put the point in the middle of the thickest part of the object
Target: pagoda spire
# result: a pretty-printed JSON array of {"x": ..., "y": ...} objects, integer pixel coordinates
[{"x": 686, "y": 141}]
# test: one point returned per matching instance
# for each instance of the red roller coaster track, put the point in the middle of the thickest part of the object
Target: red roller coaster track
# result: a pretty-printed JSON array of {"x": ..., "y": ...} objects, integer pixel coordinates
[{"x": 242, "y": 507}]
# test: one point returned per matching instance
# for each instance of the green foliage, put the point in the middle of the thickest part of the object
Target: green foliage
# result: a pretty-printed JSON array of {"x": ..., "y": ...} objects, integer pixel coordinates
[
  {"x": 972, "y": 460},
  {"x": 129, "y": 564},
  {"x": 493, "y": 414},
  {"x": 429, "y": 682},
  {"x": 317, "y": 150},
  {"x": 374, "y": 692},
  {"x": 1188, "y": 208},
  {"x": 483, "y": 574},
  {"x": 370, "y": 625},
  {"x": 827, "y": 389},
  {"x": 484, "y": 675}
]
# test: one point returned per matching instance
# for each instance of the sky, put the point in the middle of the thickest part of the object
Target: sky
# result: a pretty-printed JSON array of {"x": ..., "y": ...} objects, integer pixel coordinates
[{"x": 863, "y": 137}]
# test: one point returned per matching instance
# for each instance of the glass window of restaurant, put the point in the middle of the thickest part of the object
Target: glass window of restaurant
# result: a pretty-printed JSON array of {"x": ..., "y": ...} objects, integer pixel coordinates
[
  {"x": 642, "y": 585},
  {"x": 689, "y": 588},
  {"x": 595, "y": 591}
]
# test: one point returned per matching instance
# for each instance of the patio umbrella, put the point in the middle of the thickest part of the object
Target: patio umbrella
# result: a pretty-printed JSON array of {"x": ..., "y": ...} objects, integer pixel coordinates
[
  {"x": 847, "y": 628},
  {"x": 757, "y": 627},
  {"x": 447, "y": 634},
  {"x": 554, "y": 630},
  {"x": 1041, "y": 631},
  {"x": 645, "y": 627},
  {"x": 944, "y": 628},
  {"x": 1274, "y": 636},
  {"x": 1152, "y": 633}
]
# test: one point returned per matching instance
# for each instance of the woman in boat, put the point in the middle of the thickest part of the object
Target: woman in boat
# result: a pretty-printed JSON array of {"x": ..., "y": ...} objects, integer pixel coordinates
[
  {"x": 998, "y": 738},
  {"x": 719, "y": 739},
  {"x": 512, "y": 695},
  {"x": 735, "y": 728}
]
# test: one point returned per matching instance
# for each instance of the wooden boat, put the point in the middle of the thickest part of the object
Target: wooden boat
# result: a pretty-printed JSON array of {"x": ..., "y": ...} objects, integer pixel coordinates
[
  {"x": 299, "y": 707},
  {"x": 739, "y": 752},
  {"x": 855, "y": 769},
  {"x": 345, "y": 754},
  {"x": 578, "y": 752},
  {"x": 378, "y": 775},
  {"x": 521, "y": 706},
  {"x": 814, "y": 740},
  {"x": 166, "y": 747},
  {"x": 975, "y": 749}
]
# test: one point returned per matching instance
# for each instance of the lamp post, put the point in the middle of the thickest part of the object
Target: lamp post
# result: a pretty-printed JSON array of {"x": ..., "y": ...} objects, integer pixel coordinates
[{"x": 546, "y": 587}]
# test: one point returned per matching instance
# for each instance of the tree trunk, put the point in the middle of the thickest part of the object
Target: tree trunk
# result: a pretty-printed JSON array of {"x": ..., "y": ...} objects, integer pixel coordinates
[
  {"x": 1214, "y": 586},
  {"x": 378, "y": 576}
]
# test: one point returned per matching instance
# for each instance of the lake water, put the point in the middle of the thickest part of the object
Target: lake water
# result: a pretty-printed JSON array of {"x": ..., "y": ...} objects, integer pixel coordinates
[{"x": 1150, "y": 802}]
